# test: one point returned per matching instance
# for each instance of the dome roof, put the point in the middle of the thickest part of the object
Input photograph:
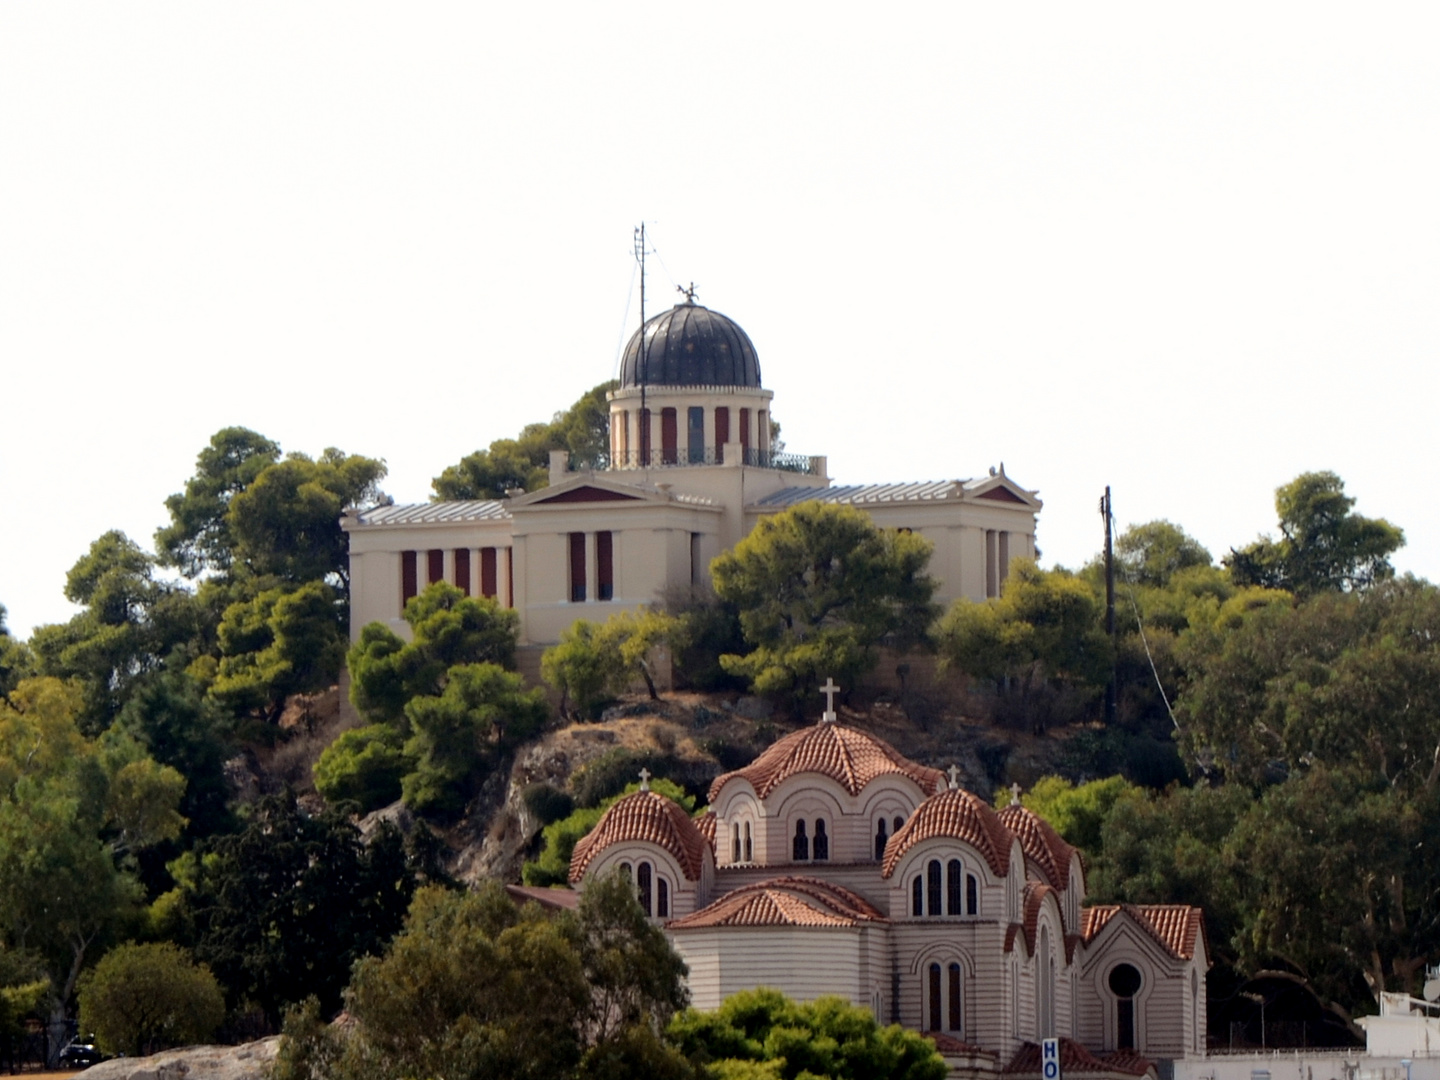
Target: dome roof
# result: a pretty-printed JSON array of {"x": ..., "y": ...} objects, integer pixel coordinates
[
  {"x": 850, "y": 757},
  {"x": 690, "y": 345},
  {"x": 1041, "y": 843},
  {"x": 648, "y": 817},
  {"x": 958, "y": 815}
]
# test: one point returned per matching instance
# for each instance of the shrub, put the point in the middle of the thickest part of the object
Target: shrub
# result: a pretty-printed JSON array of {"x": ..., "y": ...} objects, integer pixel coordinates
[
  {"x": 144, "y": 998},
  {"x": 547, "y": 803},
  {"x": 365, "y": 766}
]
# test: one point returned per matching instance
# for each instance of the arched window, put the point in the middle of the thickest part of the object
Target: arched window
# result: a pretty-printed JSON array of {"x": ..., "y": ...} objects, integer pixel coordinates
[
  {"x": 881, "y": 839},
  {"x": 662, "y": 897},
  {"x": 899, "y": 823},
  {"x": 952, "y": 888},
  {"x": 749, "y": 849},
  {"x": 972, "y": 895},
  {"x": 822, "y": 841},
  {"x": 917, "y": 897},
  {"x": 1045, "y": 989},
  {"x": 625, "y": 869},
  {"x": 1195, "y": 1010},
  {"x": 735, "y": 842},
  {"x": 801, "y": 846},
  {"x": 642, "y": 885},
  {"x": 932, "y": 887},
  {"x": 1124, "y": 984},
  {"x": 956, "y": 1012},
  {"x": 934, "y": 998}
]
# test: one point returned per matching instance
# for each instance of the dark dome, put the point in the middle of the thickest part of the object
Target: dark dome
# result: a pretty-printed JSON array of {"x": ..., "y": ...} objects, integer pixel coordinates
[{"x": 690, "y": 346}]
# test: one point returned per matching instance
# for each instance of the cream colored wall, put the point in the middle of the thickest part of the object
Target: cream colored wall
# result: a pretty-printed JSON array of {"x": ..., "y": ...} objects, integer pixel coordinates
[
  {"x": 803, "y": 963},
  {"x": 684, "y": 894},
  {"x": 1162, "y": 1005}
]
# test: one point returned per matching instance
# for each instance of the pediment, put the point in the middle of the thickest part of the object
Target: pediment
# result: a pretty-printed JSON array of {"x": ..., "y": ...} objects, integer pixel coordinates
[
  {"x": 999, "y": 488},
  {"x": 586, "y": 493},
  {"x": 588, "y": 488}
]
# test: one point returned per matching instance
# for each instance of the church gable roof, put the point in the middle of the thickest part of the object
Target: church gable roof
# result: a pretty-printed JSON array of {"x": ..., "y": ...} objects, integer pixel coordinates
[
  {"x": 784, "y": 901},
  {"x": 850, "y": 757},
  {"x": 1041, "y": 844},
  {"x": 647, "y": 817},
  {"x": 958, "y": 815},
  {"x": 1175, "y": 927}
]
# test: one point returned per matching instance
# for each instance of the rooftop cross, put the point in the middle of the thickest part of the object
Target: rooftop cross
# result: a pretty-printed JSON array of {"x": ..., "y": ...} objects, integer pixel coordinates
[
  {"x": 954, "y": 772},
  {"x": 1015, "y": 794},
  {"x": 829, "y": 690},
  {"x": 645, "y": 775}
]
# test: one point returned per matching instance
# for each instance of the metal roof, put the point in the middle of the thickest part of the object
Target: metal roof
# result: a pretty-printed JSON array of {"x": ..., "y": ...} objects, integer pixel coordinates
[
  {"x": 920, "y": 491},
  {"x": 690, "y": 345},
  {"x": 436, "y": 512}
]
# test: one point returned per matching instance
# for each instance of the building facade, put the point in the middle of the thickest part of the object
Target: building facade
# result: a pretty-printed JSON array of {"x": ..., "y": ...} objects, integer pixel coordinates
[
  {"x": 691, "y": 470},
  {"x": 833, "y": 865}
]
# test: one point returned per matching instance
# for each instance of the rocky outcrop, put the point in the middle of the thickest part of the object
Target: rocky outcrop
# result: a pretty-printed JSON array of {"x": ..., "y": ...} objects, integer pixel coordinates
[{"x": 249, "y": 1061}]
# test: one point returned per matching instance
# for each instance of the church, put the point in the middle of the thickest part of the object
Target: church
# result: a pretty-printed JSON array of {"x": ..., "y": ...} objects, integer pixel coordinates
[
  {"x": 691, "y": 470},
  {"x": 833, "y": 865}
]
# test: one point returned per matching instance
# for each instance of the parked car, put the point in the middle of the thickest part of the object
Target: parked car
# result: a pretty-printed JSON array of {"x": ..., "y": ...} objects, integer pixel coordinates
[{"x": 80, "y": 1055}]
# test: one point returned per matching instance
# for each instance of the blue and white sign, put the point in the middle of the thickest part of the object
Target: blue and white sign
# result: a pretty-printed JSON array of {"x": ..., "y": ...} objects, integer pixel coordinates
[{"x": 1050, "y": 1059}]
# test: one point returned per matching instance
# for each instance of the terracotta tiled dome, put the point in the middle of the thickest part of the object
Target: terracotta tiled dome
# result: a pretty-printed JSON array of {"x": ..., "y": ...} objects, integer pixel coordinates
[
  {"x": 645, "y": 816},
  {"x": 961, "y": 816},
  {"x": 846, "y": 755},
  {"x": 1041, "y": 844}
]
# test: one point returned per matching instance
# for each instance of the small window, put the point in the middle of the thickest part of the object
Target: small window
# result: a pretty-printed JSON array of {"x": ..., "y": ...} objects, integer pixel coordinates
[
  {"x": 972, "y": 895},
  {"x": 934, "y": 998},
  {"x": 695, "y": 434},
  {"x": 749, "y": 851},
  {"x": 642, "y": 885},
  {"x": 662, "y": 898},
  {"x": 625, "y": 869},
  {"x": 822, "y": 841},
  {"x": 801, "y": 847},
  {"x": 435, "y": 557},
  {"x": 955, "y": 1010},
  {"x": 899, "y": 823},
  {"x": 953, "y": 873},
  {"x": 605, "y": 564},
  {"x": 881, "y": 839},
  {"x": 932, "y": 883},
  {"x": 735, "y": 843},
  {"x": 577, "y": 567},
  {"x": 409, "y": 578},
  {"x": 917, "y": 897}
]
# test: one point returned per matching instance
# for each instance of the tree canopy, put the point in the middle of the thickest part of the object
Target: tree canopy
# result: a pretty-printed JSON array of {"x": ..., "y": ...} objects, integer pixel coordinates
[
  {"x": 818, "y": 588},
  {"x": 140, "y": 999}
]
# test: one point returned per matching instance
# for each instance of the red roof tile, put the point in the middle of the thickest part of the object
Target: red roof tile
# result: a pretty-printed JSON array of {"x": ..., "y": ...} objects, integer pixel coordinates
[
  {"x": 1174, "y": 926},
  {"x": 1074, "y": 1058},
  {"x": 953, "y": 1047},
  {"x": 707, "y": 823},
  {"x": 784, "y": 901},
  {"x": 1041, "y": 843},
  {"x": 961, "y": 816},
  {"x": 551, "y": 899},
  {"x": 847, "y": 755},
  {"x": 646, "y": 816}
]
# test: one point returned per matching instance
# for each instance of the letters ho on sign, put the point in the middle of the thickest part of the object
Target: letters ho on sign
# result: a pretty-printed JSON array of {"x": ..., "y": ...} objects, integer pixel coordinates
[{"x": 1050, "y": 1059}]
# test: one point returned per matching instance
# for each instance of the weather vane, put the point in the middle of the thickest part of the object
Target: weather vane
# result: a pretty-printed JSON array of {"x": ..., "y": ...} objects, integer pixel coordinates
[{"x": 689, "y": 293}]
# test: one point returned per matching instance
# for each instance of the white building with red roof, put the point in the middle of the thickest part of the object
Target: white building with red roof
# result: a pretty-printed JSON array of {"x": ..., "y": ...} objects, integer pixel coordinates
[{"x": 834, "y": 865}]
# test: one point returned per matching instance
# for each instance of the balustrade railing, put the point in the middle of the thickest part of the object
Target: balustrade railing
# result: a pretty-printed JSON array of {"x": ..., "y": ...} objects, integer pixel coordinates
[{"x": 680, "y": 457}]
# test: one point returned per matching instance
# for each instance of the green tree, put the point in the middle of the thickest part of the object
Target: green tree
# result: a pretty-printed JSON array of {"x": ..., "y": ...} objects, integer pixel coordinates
[
  {"x": 198, "y": 537},
  {"x": 524, "y": 462},
  {"x": 1041, "y": 633},
  {"x": 365, "y": 765},
  {"x": 16, "y": 663},
  {"x": 826, "y": 1038},
  {"x": 583, "y": 667},
  {"x": 281, "y": 642},
  {"x": 1078, "y": 812},
  {"x": 141, "y": 999},
  {"x": 24, "y": 989},
  {"x": 1152, "y": 553},
  {"x": 483, "y": 713},
  {"x": 818, "y": 588},
  {"x": 1323, "y": 546},
  {"x": 284, "y": 908},
  {"x": 286, "y": 522},
  {"x": 73, "y": 814}
]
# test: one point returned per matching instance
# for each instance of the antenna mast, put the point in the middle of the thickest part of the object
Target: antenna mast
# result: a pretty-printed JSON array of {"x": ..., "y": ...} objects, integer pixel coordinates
[
  {"x": 643, "y": 356},
  {"x": 1108, "y": 513}
]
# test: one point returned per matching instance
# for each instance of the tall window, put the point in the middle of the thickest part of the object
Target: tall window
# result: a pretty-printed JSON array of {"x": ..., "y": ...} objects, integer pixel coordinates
[
  {"x": 822, "y": 841},
  {"x": 899, "y": 822},
  {"x": 744, "y": 431},
  {"x": 642, "y": 886},
  {"x": 934, "y": 996},
  {"x": 917, "y": 897},
  {"x": 488, "y": 576},
  {"x": 462, "y": 570},
  {"x": 577, "y": 568},
  {"x": 644, "y": 415},
  {"x": 722, "y": 432},
  {"x": 749, "y": 851},
  {"x": 605, "y": 565},
  {"x": 409, "y": 585},
  {"x": 735, "y": 842},
  {"x": 669, "y": 453},
  {"x": 1125, "y": 984},
  {"x": 881, "y": 839},
  {"x": 956, "y": 1012},
  {"x": 436, "y": 560},
  {"x": 972, "y": 895},
  {"x": 952, "y": 888},
  {"x": 695, "y": 434},
  {"x": 662, "y": 898},
  {"x": 932, "y": 886},
  {"x": 801, "y": 846}
]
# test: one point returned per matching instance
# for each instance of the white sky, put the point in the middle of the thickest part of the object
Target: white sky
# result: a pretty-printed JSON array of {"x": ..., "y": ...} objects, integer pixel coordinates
[{"x": 1189, "y": 251}]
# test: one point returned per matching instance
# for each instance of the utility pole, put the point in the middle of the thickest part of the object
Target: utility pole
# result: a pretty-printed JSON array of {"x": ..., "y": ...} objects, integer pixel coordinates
[
  {"x": 640, "y": 360},
  {"x": 1107, "y": 512}
]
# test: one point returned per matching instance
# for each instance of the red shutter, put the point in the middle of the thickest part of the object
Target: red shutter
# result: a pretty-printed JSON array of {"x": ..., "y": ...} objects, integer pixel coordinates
[
  {"x": 487, "y": 572},
  {"x": 577, "y": 567},
  {"x": 462, "y": 570},
  {"x": 669, "y": 438},
  {"x": 605, "y": 565},
  {"x": 437, "y": 565},
  {"x": 409, "y": 586},
  {"x": 722, "y": 432}
]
